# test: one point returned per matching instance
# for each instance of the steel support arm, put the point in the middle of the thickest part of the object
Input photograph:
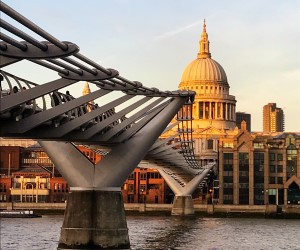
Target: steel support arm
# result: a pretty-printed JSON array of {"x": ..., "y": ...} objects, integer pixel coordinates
[
  {"x": 194, "y": 183},
  {"x": 189, "y": 188},
  {"x": 70, "y": 162},
  {"x": 113, "y": 170}
]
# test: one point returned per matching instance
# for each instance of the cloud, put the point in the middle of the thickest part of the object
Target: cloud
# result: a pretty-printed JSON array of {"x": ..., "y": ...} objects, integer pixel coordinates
[{"x": 177, "y": 31}]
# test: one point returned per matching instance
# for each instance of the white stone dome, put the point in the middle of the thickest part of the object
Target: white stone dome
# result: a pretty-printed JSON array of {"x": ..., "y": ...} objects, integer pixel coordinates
[{"x": 204, "y": 70}]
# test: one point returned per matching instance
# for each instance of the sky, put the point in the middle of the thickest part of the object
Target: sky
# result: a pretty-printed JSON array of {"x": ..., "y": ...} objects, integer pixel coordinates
[{"x": 257, "y": 43}]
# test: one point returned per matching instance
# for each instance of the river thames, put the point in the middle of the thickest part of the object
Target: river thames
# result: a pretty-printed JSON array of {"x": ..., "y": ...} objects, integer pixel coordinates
[{"x": 165, "y": 233}]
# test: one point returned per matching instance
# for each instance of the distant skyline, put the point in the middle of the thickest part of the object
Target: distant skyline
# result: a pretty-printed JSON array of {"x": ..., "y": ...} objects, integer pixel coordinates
[{"x": 256, "y": 42}]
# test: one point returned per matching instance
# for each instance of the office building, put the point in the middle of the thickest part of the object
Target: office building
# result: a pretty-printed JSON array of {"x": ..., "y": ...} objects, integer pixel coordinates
[
  {"x": 273, "y": 118},
  {"x": 259, "y": 169}
]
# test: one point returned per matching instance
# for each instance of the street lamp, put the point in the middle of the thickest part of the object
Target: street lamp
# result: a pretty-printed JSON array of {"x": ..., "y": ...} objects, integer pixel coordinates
[{"x": 143, "y": 196}]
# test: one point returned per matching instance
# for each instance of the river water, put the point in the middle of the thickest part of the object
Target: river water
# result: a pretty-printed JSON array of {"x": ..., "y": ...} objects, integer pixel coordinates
[{"x": 165, "y": 233}]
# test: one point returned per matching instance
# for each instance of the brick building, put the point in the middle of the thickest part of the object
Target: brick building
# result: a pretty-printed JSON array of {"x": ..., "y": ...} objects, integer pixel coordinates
[
  {"x": 258, "y": 168},
  {"x": 146, "y": 186},
  {"x": 28, "y": 175}
]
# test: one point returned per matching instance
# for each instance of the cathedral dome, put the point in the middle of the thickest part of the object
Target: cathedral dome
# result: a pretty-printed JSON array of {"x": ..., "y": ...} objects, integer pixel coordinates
[{"x": 203, "y": 69}]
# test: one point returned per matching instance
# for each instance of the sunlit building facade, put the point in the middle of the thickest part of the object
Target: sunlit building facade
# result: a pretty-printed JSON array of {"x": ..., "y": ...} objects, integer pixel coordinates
[
  {"x": 214, "y": 109},
  {"x": 273, "y": 118},
  {"x": 259, "y": 169},
  {"x": 146, "y": 185},
  {"x": 27, "y": 174}
]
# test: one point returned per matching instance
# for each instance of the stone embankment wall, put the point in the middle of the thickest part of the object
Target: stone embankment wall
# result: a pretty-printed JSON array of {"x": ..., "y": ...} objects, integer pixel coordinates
[{"x": 141, "y": 207}]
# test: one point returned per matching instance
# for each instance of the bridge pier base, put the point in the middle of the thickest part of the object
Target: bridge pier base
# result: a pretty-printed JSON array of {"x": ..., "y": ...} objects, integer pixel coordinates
[
  {"x": 94, "y": 219},
  {"x": 183, "y": 205}
]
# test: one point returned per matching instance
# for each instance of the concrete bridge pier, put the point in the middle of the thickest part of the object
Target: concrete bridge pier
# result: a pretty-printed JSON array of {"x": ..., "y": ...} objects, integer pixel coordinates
[
  {"x": 94, "y": 216},
  {"x": 94, "y": 219},
  {"x": 183, "y": 205}
]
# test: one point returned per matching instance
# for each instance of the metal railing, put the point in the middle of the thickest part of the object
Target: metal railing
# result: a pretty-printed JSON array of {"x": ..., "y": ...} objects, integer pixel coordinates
[{"x": 43, "y": 111}]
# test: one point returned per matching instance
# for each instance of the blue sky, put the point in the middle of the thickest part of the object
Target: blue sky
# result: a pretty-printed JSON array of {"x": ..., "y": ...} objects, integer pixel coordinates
[{"x": 152, "y": 41}]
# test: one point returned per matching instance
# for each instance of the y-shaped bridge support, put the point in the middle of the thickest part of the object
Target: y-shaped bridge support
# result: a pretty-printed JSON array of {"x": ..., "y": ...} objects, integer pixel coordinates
[
  {"x": 95, "y": 216},
  {"x": 183, "y": 203}
]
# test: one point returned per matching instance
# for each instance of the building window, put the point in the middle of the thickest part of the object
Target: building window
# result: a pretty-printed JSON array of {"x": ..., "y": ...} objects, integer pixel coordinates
[
  {"x": 228, "y": 163},
  {"x": 143, "y": 176},
  {"x": 279, "y": 157},
  {"x": 228, "y": 199},
  {"x": 243, "y": 161},
  {"x": 228, "y": 145},
  {"x": 130, "y": 198},
  {"x": 210, "y": 144},
  {"x": 227, "y": 178},
  {"x": 130, "y": 188},
  {"x": 272, "y": 169},
  {"x": 258, "y": 145},
  {"x": 272, "y": 180},
  {"x": 272, "y": 156},
  {"x": 279, "y": 180},
  {"x": 243, "y": 178},
  {"x": 201, "y": 110},
  {"x": 143, "y": 188},
  {"x": 291, "y": 168},
  {"x": 131, "y": 176},
  {"x": 154, "y": 175}
]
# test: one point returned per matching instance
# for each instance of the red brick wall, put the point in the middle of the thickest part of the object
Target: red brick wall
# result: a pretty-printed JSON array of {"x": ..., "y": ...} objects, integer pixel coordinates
[
  {"x": 143, "y": 185},
  {"x": 5, "y": 185},
  {"x": 59, "y": 189},
  {"x": 95, "y": 158}
]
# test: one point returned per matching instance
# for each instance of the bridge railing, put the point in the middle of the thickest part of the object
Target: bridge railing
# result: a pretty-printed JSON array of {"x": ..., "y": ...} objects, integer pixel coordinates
[
  {"x": 27, "y": 107},
  {"x": 46, "y": 104}
]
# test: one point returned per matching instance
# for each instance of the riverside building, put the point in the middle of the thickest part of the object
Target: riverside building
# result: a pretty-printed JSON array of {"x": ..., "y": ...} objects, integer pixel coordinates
[
  {"x": 260, "y": 169},
  {"x": 253, "y": 168},
  {"x": 27, "y": 174}
]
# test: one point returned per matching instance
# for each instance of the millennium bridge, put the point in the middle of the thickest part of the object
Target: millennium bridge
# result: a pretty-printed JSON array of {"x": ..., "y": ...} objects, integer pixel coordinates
[{"x": 133, "y": 124}]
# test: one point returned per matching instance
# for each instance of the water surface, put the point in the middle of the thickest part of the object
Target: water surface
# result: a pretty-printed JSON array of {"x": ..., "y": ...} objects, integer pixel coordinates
[{"x": 165, "y": 233}]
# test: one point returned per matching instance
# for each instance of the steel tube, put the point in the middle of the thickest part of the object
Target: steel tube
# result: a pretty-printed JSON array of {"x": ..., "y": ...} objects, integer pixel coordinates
[
  {"x": 30, "y": 25},
  {"x": 13, "y": 42},
  {"x": 23, "y": 35},
  {"x": 92, "y": 63}
]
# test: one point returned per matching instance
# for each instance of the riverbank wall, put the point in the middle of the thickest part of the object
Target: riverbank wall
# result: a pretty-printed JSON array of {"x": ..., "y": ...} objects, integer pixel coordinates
[{"x": 205, "y": 209}]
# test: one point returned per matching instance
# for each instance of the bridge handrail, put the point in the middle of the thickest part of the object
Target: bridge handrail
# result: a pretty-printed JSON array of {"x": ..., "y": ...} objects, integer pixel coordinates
[
  {"x": 64, "y": 58},
  {"x": 56, "y": 55}
]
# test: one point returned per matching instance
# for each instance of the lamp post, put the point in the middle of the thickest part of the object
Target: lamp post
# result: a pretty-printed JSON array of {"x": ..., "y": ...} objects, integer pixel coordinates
[
  {"x": 9, "y": 163},
  {"x": 143, "y": 195}
]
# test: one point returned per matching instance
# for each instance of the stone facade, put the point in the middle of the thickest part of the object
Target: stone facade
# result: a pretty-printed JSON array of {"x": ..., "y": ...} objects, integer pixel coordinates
[
  {"x": 259, "y": 169},
  {"x": 214, "y": 109}
]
